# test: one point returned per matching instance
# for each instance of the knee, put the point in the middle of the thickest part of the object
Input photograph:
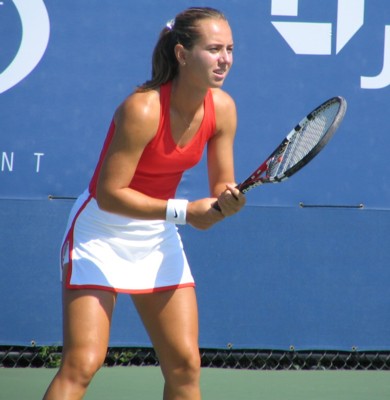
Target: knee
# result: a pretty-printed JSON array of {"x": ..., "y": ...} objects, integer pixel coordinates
[
  {"x": 81, "y": 368},
  {"x": 185, "y": 369}
]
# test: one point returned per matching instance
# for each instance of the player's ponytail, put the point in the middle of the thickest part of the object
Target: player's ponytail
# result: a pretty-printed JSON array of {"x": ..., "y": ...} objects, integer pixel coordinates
[{"x": 164, "y": 63}]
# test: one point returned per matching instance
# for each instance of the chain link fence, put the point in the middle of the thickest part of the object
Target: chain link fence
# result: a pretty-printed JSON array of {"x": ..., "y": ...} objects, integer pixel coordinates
[{"x": 50, "y": 357}]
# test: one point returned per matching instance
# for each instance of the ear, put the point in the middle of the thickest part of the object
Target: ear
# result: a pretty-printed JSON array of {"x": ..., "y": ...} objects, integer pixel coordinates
[{"x": 181, "y": 54}]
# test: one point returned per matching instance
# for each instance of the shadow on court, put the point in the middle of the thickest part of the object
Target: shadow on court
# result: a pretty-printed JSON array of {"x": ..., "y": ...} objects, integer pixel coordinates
[{"x": 145, "y": 383}]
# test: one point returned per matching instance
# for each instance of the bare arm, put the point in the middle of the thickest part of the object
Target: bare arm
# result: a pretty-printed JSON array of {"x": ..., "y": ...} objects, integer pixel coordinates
[
  {"x": 136, "y": 123},
  {"x": 220, "y": 157},
  {"x": 220, "y": 168},
  {"x": 220, "y": 148}
]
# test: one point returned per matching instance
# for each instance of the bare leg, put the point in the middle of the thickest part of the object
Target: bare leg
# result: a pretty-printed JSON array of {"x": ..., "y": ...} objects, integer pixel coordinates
[
  {"x": 171, "y": 319},
  {"x": 86, "y": 319}
]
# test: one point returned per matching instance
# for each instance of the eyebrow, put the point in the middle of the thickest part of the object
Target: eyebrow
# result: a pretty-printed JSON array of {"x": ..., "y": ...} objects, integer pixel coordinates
[{"x": 219, "y": 44}]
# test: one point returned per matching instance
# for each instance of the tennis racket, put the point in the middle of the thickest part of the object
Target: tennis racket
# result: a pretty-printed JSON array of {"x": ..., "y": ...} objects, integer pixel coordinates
[{"x": 299, "y": 147}]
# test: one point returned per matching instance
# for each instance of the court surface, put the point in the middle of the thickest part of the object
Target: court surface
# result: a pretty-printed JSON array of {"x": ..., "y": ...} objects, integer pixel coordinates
[{"x": 145, "y": 383}]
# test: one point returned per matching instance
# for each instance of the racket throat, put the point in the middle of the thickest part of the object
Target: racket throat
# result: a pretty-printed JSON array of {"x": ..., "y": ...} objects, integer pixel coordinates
[{"x": 245, "y": 187}]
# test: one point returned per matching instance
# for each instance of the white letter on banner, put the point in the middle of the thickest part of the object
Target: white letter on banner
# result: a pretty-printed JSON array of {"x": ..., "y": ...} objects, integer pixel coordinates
[
  {"x": 36, "y": 31},
  {"x": 38, "y": 155},
  {"x": 383, "y": 79},
  {"x": 284, "y": 7},
  {"x": 306, "y": 37},
  {"x": 6, "y": 160},
  {"x": 350, "y": 18}
]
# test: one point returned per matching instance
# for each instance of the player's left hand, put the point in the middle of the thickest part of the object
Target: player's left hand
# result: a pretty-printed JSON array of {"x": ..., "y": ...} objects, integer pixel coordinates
[{"x": 231, "y": 200}]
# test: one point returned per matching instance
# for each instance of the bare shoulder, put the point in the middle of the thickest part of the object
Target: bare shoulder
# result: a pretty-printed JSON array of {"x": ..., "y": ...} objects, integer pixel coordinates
[
  {"x": 223, "y": 101},
  {"x": 139, "y": 113},
  {"x": 225, "y": 110}
]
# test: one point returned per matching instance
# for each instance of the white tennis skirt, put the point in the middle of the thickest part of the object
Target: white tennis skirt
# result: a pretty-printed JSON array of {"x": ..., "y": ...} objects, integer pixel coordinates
[{"x": 111, "y": 252}]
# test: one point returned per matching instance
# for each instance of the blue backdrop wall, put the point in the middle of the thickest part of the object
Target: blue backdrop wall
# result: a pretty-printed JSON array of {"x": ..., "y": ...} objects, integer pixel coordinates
[{"x": 274, "y": 276}]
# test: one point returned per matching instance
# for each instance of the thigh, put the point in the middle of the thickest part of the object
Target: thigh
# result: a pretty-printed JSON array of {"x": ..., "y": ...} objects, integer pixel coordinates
[
  {"x": 87, "y": 318},
  {"x": 171, "y": 319}
]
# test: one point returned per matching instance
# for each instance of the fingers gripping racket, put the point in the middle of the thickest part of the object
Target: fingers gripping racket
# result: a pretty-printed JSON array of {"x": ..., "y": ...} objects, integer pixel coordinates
[{"x": 299, "y": 147}]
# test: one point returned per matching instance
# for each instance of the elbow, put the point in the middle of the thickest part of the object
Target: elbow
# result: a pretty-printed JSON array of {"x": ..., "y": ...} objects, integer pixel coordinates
[
  {"x": 104, "y": 200},
  {"x": 103, "y": 204}
]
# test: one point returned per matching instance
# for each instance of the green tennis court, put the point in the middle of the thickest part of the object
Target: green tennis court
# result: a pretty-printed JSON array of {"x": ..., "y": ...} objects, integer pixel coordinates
[{"x": 145, "y": 383}]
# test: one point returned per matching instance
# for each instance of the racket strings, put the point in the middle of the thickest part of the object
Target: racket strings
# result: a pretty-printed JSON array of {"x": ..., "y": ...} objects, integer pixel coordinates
[{"x": 303, "y": 140}]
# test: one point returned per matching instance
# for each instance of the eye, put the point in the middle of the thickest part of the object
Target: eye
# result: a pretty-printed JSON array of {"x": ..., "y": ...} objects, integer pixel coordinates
[{"x": 215, "y": 49}]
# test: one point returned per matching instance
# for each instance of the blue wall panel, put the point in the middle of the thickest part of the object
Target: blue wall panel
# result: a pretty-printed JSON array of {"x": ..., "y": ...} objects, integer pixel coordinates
[
  {"x": 259, "y": 285},
  {"x": 276, "y": 275}
]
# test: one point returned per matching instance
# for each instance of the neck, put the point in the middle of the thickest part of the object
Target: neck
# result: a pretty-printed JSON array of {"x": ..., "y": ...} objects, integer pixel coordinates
[
  {"x": 186, "y": 108},
  {"x": 186, "y": 99}
]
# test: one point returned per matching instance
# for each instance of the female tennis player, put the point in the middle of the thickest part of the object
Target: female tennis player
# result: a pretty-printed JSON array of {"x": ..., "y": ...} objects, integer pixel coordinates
[{"x": 122, "y": 235}]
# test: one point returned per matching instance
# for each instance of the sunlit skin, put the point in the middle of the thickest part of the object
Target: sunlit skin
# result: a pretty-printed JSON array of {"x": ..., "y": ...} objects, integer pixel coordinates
[
  {"x": 211, "y": 58},
  {"x": 170, "y": 317},
  {"x": 202, "y": 67},
  {"x": 206, "y": 65}
]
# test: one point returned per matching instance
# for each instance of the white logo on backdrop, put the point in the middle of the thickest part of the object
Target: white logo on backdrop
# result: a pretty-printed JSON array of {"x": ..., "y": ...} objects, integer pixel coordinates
[
  {"x": 316, "y": 38},
  {"x": 35, "y": 37}
]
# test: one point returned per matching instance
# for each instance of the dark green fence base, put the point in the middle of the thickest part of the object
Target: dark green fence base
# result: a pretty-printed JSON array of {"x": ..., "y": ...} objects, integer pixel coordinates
[{"x": 50, "y": 357}]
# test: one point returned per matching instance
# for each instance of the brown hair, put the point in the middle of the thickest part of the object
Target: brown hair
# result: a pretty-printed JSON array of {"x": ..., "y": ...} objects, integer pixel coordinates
[{"x": 183, "y": 29}]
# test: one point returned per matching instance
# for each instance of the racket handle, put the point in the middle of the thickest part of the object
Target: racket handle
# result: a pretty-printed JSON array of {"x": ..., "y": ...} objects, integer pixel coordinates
[{"x": 216, "y": 206}]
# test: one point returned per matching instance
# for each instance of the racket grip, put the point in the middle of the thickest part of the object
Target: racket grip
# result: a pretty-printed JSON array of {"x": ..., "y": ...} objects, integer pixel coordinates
[{"x": 216, "y": 206}]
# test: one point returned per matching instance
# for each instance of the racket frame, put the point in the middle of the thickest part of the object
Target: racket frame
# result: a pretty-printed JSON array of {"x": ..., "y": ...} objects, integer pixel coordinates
[{"x": 257, "y": 178}]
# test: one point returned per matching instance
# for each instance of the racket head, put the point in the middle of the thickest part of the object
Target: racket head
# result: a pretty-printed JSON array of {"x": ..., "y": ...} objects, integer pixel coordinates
[{"x": 301, "y": 145}]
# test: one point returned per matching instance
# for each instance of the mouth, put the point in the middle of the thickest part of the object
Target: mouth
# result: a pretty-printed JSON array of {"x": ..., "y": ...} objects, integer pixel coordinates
[{"x": 221, "y": 73}]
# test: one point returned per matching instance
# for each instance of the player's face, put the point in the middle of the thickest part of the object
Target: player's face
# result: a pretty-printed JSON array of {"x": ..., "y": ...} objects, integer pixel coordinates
[{"x": 212, "y": 56}]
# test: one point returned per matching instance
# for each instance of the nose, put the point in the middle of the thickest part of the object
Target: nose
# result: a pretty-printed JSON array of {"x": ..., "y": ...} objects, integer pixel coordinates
[{"x": 225, "y": 57}]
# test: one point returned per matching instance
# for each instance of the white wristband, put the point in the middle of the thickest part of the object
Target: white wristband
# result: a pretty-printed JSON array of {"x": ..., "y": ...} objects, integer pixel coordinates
[{"x": 177, "y": 211}]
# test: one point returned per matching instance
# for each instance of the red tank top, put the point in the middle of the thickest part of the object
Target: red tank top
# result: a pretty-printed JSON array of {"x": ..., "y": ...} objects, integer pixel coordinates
[{"x": 163, "y": 163}]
